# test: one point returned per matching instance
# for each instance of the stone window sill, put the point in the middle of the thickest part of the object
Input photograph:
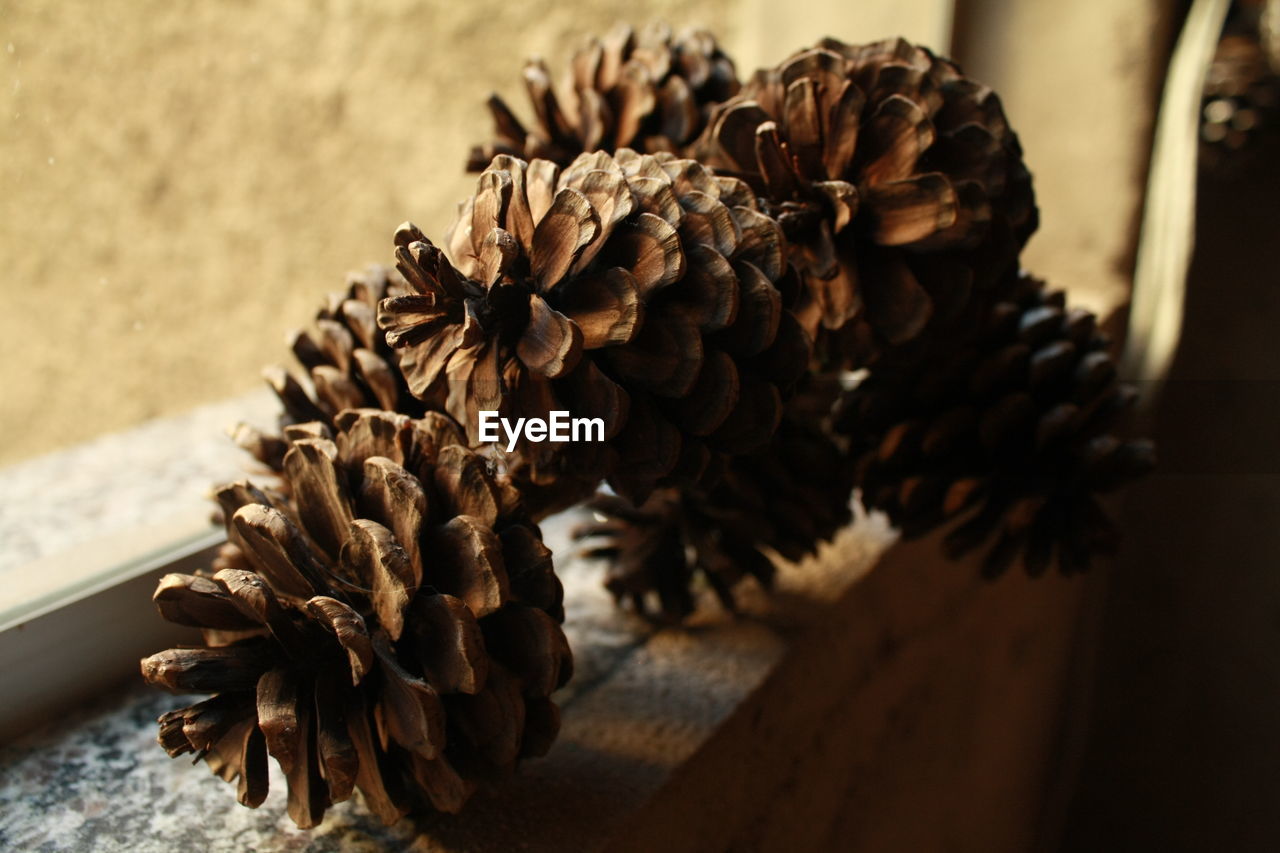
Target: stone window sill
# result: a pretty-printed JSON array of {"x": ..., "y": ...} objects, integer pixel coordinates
[{"x": 909, "y": 706}]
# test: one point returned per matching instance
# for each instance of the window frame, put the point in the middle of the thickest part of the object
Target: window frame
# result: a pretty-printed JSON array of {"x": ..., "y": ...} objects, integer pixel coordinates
[{"x": 67, "y": 646}]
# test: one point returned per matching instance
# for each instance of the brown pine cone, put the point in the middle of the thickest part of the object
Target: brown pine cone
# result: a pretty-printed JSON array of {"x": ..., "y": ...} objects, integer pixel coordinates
[
  {"x": 392, "y": 628},
  {"x": 786, "y": 499},
  {"x": 637, "y": 289},
  {"x": 648, "y": 91},
  {"x": 347, "y": 361},
  {"x": 897, "y": 180},
  {"x": 1012, "y": 433}
]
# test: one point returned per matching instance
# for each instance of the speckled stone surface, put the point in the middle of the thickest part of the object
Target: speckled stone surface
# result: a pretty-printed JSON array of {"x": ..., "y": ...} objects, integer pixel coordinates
[
  {"x": 98, "y": 781},
  {"x": 642, "y": 702},
  {"x": 159, "y": 471}
]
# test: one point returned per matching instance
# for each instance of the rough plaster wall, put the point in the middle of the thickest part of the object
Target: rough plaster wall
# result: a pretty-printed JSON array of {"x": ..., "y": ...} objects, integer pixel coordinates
[
  {"x": 189, "y": 178},
  {"x": 772, "y": 31},
  {"x": 1078, "y": 82}
]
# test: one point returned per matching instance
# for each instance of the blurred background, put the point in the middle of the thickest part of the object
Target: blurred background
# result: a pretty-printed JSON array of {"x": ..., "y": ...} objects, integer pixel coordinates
[{"x": 180, "y": 183}]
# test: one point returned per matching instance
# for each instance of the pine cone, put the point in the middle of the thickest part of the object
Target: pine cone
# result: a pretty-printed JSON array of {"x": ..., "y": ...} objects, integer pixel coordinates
[
  {"x": 638, "y": 289},
  {"x": 392, "y": 628},
  {"x": 1012, "y": 433},
  {"x": 897, "y": 180},
  {"x": 348, "y": 364},
  {"x": 787, "y": 499},
  {"x": 648, "y": 91}
]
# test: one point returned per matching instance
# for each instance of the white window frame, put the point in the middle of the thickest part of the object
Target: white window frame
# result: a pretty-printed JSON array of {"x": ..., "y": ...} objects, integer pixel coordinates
[{"x": 61, "y": 651}]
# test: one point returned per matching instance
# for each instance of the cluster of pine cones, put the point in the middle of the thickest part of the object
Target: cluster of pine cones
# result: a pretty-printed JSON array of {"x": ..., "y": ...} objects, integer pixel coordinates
[{"x": 699, "y": 262}]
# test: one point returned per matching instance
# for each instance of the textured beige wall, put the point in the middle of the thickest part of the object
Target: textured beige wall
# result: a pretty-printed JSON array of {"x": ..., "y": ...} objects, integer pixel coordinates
[
  {"x": 190, "y": 178},
  {"x": 771, "y": 31},
  {"x": 181, "y": 181},
  {"x": 1079, "y": 83}
]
